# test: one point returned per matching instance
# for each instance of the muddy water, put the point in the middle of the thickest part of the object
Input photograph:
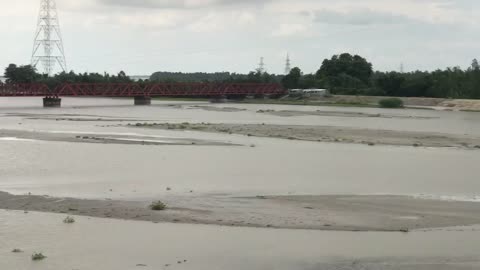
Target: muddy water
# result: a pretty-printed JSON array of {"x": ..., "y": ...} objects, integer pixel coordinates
[
  {"x": 274, "y": 166},
  {"x": 91, "y": 244},
  {"x": 411, "y": 120}
]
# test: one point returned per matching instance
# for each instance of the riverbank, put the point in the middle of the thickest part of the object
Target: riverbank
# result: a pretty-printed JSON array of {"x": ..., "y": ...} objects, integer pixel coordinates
[
  {"x": 329, "y": 134},
  {"x": 314, "y": 212},
  {"x": 425, "y": 103},
  {"x": 105, "y": 138},
  {"x": 372, "y": 102}
]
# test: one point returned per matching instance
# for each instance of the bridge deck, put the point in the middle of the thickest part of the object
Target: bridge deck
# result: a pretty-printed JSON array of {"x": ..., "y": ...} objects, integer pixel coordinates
[{"x": 133, "y": 90}]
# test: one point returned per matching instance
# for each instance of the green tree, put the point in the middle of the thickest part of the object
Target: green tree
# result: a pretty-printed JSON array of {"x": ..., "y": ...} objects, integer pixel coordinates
[
  {"x": 291, "y": 81},
  {"x": 21, "y": 74},
  {"x": 352, "y": 65},
  {"x": 475, "y": 65},
  {"x": 390, "y": 83}
]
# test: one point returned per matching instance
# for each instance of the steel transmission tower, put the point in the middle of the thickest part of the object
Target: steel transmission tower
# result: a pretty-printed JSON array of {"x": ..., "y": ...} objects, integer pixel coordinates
[
  {"x": 48, "y": 45},
  {"x": 288, "y": 66},
  {"x": 261, "y": 66}
]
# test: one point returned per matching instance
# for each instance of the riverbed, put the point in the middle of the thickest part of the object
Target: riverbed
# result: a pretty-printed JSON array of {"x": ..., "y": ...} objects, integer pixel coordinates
[{"x": 92, "y": 150}]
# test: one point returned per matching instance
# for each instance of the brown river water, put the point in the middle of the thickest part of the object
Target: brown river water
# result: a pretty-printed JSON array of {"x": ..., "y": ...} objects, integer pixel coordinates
[{"x": 273, "y": 167}]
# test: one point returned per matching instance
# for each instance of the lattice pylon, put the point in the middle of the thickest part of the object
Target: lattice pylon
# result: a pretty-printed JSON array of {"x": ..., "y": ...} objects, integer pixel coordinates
[
  {"x": 288, "y": 65},
  {"x": 48, "y": 44}
]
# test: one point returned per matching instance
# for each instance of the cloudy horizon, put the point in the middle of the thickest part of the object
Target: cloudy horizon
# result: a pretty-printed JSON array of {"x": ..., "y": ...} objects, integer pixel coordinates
[{"x": 144, "y": 36}]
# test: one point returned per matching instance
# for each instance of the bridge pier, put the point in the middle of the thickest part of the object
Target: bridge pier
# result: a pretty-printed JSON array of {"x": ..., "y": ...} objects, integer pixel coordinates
[
  {"x": 52, "y": 102},
  {"x": 142, "y": 101}
]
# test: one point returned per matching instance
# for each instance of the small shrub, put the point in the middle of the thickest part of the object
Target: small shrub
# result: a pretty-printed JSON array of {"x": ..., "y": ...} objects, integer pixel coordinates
[
  {"x": 38, "y": 257},
  {"x": 391, "y": 103},
  {"x": 158, "y": 206},
  {"x": 17, "y": 250},
  {"x": 69, "y": 220}
]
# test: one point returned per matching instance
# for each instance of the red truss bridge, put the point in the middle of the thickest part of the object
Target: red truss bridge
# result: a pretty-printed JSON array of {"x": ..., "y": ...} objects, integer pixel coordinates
[{"x": 141, "y": 93}]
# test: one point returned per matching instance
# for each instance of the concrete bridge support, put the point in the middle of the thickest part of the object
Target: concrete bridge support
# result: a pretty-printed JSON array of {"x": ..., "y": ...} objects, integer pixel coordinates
[
  {"x": 52, "y": 102},
  {"x": 142, "y": 101}
]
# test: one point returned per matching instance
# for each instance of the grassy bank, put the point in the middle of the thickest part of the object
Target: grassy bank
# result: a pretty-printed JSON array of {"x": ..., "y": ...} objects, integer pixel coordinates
[
  {"x": 354, "y": 101},
  {"x": 306, "y": 102}
]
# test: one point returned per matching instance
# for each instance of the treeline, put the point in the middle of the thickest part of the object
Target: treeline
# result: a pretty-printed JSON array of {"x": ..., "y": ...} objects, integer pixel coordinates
[
  {"x": 342, "y": 74},
  {"x": 192, "y": 77},
  {"x": 28, "y": 74},
  {"x": 353, "y": 75},
  {"x": 253, "y": 76}
]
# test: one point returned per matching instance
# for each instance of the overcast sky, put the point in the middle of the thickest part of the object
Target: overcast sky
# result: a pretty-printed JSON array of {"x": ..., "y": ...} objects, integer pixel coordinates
[{"x": 143, "y": 36}]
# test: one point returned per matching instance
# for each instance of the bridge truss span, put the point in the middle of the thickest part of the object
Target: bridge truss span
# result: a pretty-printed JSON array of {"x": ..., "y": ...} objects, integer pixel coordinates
[{"x": 147, "y": 90}]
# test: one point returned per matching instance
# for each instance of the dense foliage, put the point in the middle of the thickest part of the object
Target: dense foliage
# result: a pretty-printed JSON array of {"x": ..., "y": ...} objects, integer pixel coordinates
[
  {"x": 21, "y": 74},
  {"x": 353, "y": 75},
  {"x": 192, "y": 77},
  {"x": 342, "y": 74},
  {"x": 254, "y": 76},
  {"x": 28, "y": 74},
  {"x": 391, "y": 103}
]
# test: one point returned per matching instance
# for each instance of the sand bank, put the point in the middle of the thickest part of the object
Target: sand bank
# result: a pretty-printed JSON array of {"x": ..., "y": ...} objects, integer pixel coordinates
[
  {"x": 104, "y": 138},
  {"x": 331, "y": 134},
  {"x": 323, "y": 212}
]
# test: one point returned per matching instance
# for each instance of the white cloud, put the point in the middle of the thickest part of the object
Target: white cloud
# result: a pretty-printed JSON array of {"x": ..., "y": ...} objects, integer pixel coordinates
[
  {"x": 286, "y": 30},
  {"x": 359, "y": 17},
  {"x": 142, "y": 36}
]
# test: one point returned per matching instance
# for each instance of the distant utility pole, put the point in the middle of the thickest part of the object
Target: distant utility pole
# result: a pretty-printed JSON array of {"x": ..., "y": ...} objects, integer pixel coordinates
[
  {"x": 261, "y": 66},
  {"x": 48, "y": 45},
  {"x": 288, "y": 65}
]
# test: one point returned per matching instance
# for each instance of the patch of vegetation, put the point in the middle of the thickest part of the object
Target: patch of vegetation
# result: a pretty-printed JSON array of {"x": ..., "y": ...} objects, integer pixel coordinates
[
  {"x": 197, "y": 127},
  {"x": 391, "y": 103},
  {"x": 17, "y": 250},
  {"x": 469, "y": 110},
  {"x": 38, "y": 256},
  {"x": 158, "y": 206},
  {"x": 303, "y": 102},
  {"x": 69, "y": 220}
]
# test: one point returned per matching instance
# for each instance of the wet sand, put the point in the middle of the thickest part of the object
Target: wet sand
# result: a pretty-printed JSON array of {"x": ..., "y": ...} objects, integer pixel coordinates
[
  {"x": 320, "y": 212},
  {"x": 330, "y": 134},
  {"x": 71, "y": 117},
  {"x": 105, "y": 139},
  {"x": 217, "y": 109},
  {"x": 292, "y": 113}
]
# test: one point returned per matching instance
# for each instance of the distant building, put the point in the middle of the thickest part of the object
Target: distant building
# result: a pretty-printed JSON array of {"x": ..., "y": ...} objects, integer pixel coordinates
[
  {"x": 295, "y": 91},
  {"x": 316, "y": 92},
  {"x": 309, "y": 92},
  {"x": 3, "y": 79}
]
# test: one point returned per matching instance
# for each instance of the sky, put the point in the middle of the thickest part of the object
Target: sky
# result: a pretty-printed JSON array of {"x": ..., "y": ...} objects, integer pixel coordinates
[{"x": 144, "y": 36}]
